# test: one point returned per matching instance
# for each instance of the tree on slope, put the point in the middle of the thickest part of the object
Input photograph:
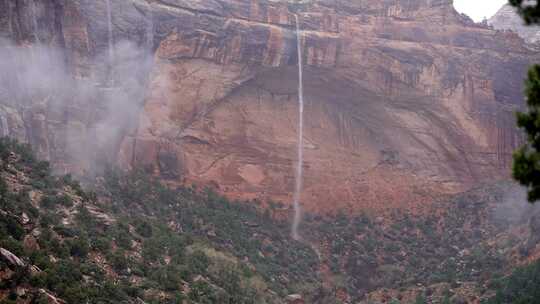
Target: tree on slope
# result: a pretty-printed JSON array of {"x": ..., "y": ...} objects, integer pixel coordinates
[
  {"x": 526, "y": 166},
  {"x": 527, "y": 10}
]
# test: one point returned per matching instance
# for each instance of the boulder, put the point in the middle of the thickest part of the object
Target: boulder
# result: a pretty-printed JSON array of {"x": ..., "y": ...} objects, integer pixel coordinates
[{"x": 11, "y": 258}]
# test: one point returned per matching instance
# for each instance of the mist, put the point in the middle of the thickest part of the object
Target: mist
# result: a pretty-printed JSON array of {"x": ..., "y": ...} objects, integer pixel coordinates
[
  {"x": 38, "y": 92},
  {"x": 513, "y": 208}
]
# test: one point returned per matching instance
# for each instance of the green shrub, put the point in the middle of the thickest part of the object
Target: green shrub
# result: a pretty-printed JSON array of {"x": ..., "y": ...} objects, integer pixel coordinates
[
  {"x": 101, "y": 244},
  {"x": 79, "y": 247},
  {"x": 13, "y": 228},
  {"x": 522, "y": 286},
  {"x": 202, "y": 292},
  {"x": 143, "y": 228},
  {"x": 118, "y": 261},
  {"x": 122, "y": 236},
  {"x": 198, "y": 262}
]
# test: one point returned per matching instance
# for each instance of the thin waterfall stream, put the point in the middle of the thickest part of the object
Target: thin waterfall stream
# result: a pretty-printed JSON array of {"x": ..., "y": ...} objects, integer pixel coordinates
[
  {"x": 110, "y": 42},
  {"x": 149, "y": 62},
  {"x": 300, "y": 143},
  {"x": 150, "y": 29},
  {"x": 35, "y": 23}
]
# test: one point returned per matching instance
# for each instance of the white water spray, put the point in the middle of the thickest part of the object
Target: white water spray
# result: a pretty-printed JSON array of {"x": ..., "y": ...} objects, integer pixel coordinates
[
  {"x": 110, "y": 41},
  {"x": 300, "y": 143}
]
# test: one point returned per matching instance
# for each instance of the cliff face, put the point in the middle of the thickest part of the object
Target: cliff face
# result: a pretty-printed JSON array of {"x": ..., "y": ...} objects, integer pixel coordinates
[
  {"x": 507, "y": 19},
  {"x": 406, "y": 100}
]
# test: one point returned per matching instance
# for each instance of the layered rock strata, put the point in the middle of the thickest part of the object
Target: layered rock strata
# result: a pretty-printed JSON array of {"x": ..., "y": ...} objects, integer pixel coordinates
[{"x": 406, "y": 100}]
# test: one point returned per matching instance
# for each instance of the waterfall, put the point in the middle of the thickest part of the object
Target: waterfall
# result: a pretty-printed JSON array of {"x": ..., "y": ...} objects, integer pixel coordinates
[
  {"x": 34, "y": 22},
  {"x": 150, "y": 30},
  {"x": 4, "y": 125},
  {"x": 300, "y": 143},
  {"x": 148, "y": 67},
  {"x": 110, "y": 42}
]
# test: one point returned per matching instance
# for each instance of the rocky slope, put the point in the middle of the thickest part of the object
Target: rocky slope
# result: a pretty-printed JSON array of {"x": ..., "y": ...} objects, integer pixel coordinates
[
  {"x": 132, "y": 240},
  {"x": 407, "y": 100},
  {"x": 507, "y": 19},
  {"x": 60, "y": 244}
]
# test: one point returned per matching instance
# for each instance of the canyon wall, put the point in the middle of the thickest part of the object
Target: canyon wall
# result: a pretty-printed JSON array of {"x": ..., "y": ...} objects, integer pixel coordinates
[
  {"x": 406, "y": 101},
  {"x": 507, "y": 18}
]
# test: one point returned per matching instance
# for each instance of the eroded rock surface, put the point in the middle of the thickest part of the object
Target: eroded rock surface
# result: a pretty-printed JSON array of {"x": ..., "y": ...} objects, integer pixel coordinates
[{"x": 406, "y": 100}]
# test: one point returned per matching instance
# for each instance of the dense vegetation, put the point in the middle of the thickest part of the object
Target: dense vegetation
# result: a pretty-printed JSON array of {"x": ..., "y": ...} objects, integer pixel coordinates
[
  {"x": 139, "y": 240},
  {"x": 459, "y": 242},
  {"x": 239, "y": 228},
  {"x": 130, "y": 239},
  {"x": 522, "y": 287}
]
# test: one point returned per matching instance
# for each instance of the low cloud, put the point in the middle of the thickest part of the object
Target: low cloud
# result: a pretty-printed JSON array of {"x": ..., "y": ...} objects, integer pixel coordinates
[{"x": 82, "y": 120}]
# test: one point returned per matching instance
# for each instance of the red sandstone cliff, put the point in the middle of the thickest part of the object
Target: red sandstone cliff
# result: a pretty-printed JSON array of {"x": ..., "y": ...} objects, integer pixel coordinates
[{"x": 406, "y": 100}]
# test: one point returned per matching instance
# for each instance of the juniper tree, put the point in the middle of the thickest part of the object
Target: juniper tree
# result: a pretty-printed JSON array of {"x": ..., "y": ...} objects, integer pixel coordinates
[
  {"x": 526, "y": 166},
  {"x": 529, "y": 10}
]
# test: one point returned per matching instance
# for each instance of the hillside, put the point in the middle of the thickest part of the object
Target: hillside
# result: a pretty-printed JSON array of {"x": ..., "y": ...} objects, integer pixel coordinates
[
  {"x": 132, "y": 240},
  {"x": 136, "y": 241},
  {"x": 153, "y": 151}
]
